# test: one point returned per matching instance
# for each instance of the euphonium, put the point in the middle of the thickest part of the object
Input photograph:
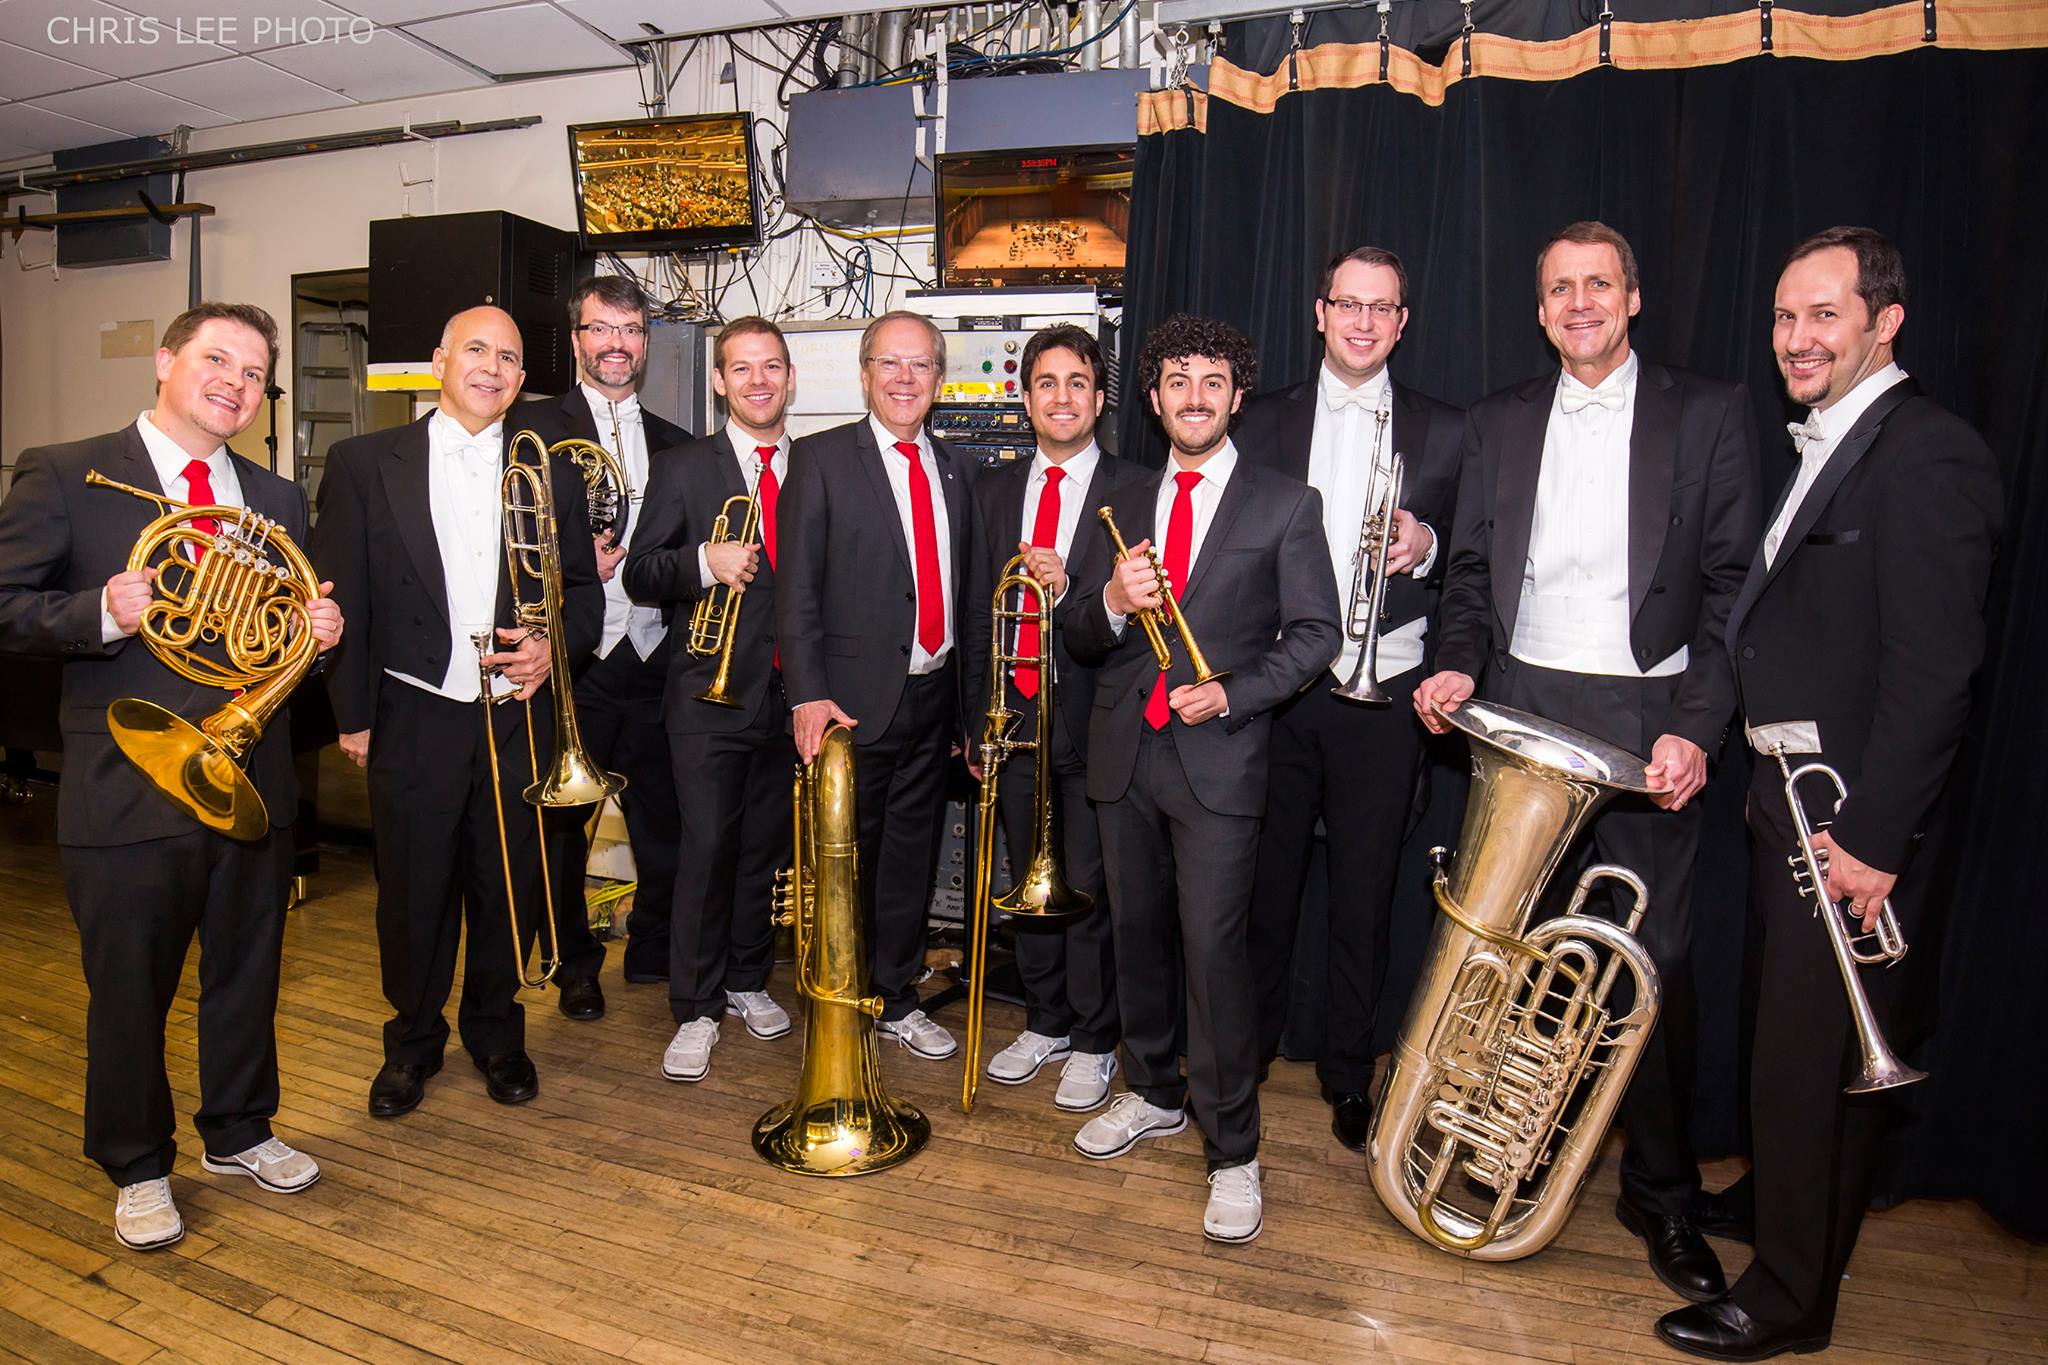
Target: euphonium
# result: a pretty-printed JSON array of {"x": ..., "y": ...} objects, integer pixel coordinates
[
  {"x": 1156, "y": 619},
  {"x": 1369, "y": 590},
  {"x": 714, "y": 621},
  {"x": 1514, "y": 1053},
  {"x": 1042, "y": 891},
  {"x": 841, "y": 1122},
  {"x": 229, "y": 611}
]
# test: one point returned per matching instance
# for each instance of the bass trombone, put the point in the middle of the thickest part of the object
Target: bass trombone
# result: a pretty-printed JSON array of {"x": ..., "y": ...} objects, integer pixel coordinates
[
  {"x": 1369, "y": 589},
  {"x": 714, "y": 621},
  {"x": 1042, "y": 892},
  {"x": 228, "y": 610},
  {"x": 1155, "y": 620}
]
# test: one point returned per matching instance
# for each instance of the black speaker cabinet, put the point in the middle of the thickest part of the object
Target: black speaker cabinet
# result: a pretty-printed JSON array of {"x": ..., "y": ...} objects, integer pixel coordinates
[{"x": 423, "y": 271}]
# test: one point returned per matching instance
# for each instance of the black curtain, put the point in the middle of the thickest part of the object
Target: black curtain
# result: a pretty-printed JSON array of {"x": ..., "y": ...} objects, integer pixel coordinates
[{"x": 1712, "y": 174}]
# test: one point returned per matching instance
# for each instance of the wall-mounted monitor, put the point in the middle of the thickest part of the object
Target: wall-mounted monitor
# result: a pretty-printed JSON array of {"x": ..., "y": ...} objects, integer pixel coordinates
[
  {"x": 666, "y": 184},
  {"x": 1057, "y": 216}
]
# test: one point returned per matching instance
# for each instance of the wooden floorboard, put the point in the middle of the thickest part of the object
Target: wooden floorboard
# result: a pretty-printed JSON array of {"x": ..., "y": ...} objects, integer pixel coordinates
[{"x": 623, "y": 1218}]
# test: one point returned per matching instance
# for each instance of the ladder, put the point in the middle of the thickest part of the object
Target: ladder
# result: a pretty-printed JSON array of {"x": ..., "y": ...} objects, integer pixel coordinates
[{"x": 316, "y": 406}]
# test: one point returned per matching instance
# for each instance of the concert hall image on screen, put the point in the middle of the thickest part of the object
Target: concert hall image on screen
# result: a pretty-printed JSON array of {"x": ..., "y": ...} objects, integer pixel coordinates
[
  {"x": 1035, "y": 218},
  {"x": 680, "y": 183}
]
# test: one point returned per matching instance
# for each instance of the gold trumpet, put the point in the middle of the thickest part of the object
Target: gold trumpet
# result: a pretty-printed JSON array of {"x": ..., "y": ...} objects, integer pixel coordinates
[
  {"x": 841, "y": 1121},
  {"x": 1156, "y": 619},
  {"x": 1369, "y": 590},
  {"x": 714, "y": 621},
  {"x": 228, "y": 610},
  {"x": 533, "y": 552},
  {"x": 1042, "y": 892}
]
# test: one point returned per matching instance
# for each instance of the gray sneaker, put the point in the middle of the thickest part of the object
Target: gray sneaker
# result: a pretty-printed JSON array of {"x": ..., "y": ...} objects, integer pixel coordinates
[
  {"x": 1236, "y": 1210},
  {"x": 145, "y": 1217},
  {"x": 1020, "y": 1061},
  {"x": 759, "y": 1012},
  {"x": 919, "y": 1036},
  {"x": 689, "y": 1053},
  {"x": 1129, "y": 1119},
  {"x": 1084, "y": 1081},
  {"x": 271, "y": 1164}
]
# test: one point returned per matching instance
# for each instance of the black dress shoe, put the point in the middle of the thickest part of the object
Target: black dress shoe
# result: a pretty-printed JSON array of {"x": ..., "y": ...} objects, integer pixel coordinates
[
  {"x": 509, "y": 1078},
  {"x": 646, "y": 962},
  {"x": 1678, "y": 1254},
  {"x": 1351, "y": 1120},
  {"x": 1722, "y": 1331},
  {"x": 581, "y": 998},
  {"x": 399, "y": 1087},
  {"x": 1718, "y": 1216}
]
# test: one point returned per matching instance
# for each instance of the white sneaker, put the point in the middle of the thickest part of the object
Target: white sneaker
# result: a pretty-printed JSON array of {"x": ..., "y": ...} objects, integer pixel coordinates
[
  {"x": 1020, "y": 1061},
  {"x": 1129, "y": 1118},
  {"x": 1084, "y": 1081},
  {"x": 689, "y": 1052},
  {"x": 145, "y": 1218},
  {"x": 759, "y": 1012},
  {"x": 919, "y": 1035},
  {"x": 1236, "y": 1211},
  {"x": 271, "y": 1164}
]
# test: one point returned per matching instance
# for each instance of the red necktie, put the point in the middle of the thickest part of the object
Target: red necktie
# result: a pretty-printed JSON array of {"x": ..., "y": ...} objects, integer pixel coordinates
[
  {"x": 199, "y": 492},
  {"x": 931, "y": 595},
  {"x": 1045, "y": 530},
  {"x": 764, "y": 496},
  {"x": 1180, "y": 534}
]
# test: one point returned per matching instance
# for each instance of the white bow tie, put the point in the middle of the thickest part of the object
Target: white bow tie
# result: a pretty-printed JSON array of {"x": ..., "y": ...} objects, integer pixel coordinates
[
  {"x": 1360, "y": 398},
  {"x": 485, "y": 447},
  {"x": 1576, "y": 398},
  {"x": 1804, "y": 433}
]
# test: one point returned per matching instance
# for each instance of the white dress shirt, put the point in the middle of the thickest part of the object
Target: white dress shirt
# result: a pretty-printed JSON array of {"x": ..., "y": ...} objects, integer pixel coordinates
[
  {"x": 1834, "y": 423},
  {"x": 898, "y": 468},
  {"x": 750, "y": 472},
  {"x": 169, "y": 460},
  {"x": 1076, "y": 473},
  {"x": 1207, "y": 494},
  {"x": 464, "y": 474},
  {"x": 1574, "y": 612},
  {"x": 621, "y": 431},
  {"x": 1350, "y": 459}
]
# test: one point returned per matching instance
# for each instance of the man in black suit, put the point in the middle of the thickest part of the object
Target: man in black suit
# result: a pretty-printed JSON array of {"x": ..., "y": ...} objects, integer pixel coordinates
[
  {"x": 618, "y": 697},
  {"x": 412, "y": 533},
  {"x": 877, "y": 526},
  {"x": 1177, "y": 767},
  {"x": 1606, "y": 515},
  {"x": 732, "y": 759},
  {"x": 1044, "y": 508},
  {"x": 141, "y": 875},
  {"x": 1854, "y": 641},
  {"x": 1353, "y": 765}
]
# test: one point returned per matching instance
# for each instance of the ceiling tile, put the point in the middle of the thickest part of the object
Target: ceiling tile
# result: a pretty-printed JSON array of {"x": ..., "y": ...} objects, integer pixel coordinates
[
  {"x": 623, "y": 18},
  {"x": 10, "y": 152},
  {"x": 388, "y": 67},
  {"x": 25, "y": 74},
  {"x": 522, "y": 39},
  {"x": 249, "y": 25},
  {"x": 132, "y": 108},
  {"x": 102, "y": 37},
  {"x": 24, "y": 125},
  {"x": 245, "y": 89},
  {"x": 404, "y": 11}
]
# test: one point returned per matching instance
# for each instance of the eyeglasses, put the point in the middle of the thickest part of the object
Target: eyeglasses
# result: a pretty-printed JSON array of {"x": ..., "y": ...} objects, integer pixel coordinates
[
  {"x": 605, "y": 331},
  {"x": 1349, "y": 309},
  {"x": 889, "y": 366}
]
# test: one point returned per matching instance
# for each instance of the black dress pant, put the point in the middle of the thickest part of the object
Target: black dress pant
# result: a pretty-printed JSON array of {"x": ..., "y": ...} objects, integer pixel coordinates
[
  {"x": 1353, "y": 766},
  {"x": 1068, "y": 965},
  {"x": 137, "y": 907},
  {"x": 736, "y": 818},
  {"x": 1813, "y": 1158},
  {"x": 1180, "y": 885},
  {"x": 618, "y": 711},
  {"x": 439, "y": 866},
  {"x": 900, "y": 787},
  {"x": 1659, "y": 1172}
]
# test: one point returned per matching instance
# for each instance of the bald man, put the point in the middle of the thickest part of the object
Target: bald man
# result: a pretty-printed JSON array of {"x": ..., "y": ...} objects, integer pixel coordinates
[{"x": 410, "y": 531}]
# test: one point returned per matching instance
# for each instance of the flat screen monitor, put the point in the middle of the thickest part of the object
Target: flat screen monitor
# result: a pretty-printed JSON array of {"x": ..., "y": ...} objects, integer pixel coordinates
[
  {"x": 1057, "y": 216},
  {"x": 666, "y": 184}
]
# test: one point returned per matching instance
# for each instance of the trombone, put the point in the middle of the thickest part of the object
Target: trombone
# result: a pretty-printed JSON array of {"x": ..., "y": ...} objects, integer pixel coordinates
[
  {"x": 1369, "y": 594},
  {"x": 1156, "y": 619},
  {"x": 526, "y": 498},
  {"x": 1042, "y": 892},
  {"x": 714, "y": 621}
]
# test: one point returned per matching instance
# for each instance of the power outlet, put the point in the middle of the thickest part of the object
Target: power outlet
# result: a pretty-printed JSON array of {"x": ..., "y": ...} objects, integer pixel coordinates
[{"x": 826, "y": 274}]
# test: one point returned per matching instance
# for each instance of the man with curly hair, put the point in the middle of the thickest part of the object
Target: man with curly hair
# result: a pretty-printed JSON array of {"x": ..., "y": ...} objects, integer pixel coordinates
[{"x": 1177, "y": 763}]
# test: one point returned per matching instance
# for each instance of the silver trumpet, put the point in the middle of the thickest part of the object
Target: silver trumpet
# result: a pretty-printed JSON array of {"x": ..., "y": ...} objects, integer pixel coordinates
[
  {"x": 1880, "y": 1068},
  {"x": 1369, "y": 589}
]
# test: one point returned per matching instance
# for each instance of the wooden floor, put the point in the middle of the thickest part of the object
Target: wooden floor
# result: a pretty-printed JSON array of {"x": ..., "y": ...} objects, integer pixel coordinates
[{"x": 621, "y": 1217}]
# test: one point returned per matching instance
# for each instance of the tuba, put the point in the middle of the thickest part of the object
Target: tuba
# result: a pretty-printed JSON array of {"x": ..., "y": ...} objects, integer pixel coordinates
[
  {"x": 1156, "y": 619},
  {"x": 841, "y": 1122},
  {"x": 1369, "y": 590},
  {"x": 1513, "y": 1056},
  {"x": 1042, "y": 892},
  {"x": 229, "y": 611},
  {"x": 714, "y": 621}
]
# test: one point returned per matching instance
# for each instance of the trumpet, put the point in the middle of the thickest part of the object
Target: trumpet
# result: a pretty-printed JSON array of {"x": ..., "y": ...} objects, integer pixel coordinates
[
  {"x": 1879, "y": 1068},
  {"x": 1042, "y": 891},
  {"x": 1369, "y": 589},
  {"x": 714, "y": 621},
  {"x": 533, "y": 552},
  {"x": 242, "y": 584},
  {"x": 1156, "y": 619}
]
